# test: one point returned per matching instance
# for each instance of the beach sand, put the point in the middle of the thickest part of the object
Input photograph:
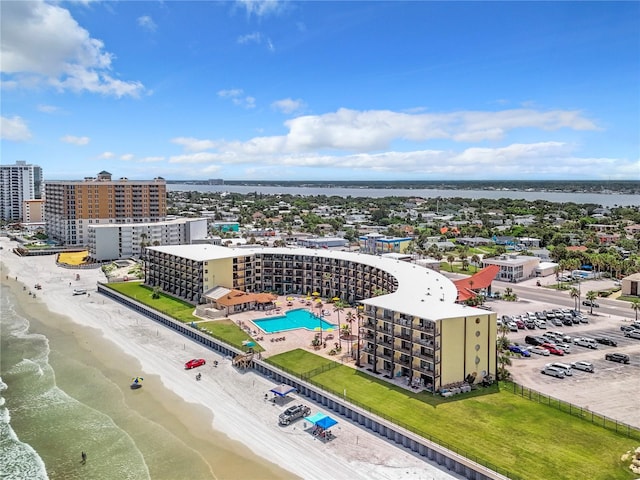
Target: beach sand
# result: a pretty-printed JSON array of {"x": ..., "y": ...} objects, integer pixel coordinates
[{"x": 223, "y": 421}]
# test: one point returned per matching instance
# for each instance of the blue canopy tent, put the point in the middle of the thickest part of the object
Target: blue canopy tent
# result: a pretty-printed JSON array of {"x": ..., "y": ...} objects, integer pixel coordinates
[
  {"x": 315, "y": 418},
  {"x": 326, "y": 422}
]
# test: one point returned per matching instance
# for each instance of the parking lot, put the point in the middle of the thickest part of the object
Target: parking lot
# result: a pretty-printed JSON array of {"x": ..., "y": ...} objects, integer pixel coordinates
[{"x": 612, "y": 390}]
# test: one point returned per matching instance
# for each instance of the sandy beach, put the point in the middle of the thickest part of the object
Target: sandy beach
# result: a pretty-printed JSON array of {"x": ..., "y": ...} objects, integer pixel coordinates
[{"x": 227, "y": 405}]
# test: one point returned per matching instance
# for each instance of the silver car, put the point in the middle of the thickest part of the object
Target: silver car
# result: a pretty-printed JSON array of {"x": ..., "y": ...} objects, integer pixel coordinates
[
  {"x": 584, "y": 366},
  {"x": 553, "y": 371}
]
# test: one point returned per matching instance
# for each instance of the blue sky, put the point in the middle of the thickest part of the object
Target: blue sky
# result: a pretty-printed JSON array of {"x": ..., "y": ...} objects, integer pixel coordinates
[{"x": 322, "y": 90}]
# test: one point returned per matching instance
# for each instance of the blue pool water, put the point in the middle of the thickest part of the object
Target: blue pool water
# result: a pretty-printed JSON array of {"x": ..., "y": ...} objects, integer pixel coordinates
[{"x": 291, "y": 320}]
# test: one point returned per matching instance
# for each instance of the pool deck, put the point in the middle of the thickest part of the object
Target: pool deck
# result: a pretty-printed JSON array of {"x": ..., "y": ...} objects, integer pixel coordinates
[
  {"x": 298, "y": 338},
  {"x": 301, "y": 338}
]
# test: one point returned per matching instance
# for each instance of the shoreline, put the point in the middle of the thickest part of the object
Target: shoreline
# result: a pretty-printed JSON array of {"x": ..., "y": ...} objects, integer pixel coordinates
[{"x": 230, "y": 403}]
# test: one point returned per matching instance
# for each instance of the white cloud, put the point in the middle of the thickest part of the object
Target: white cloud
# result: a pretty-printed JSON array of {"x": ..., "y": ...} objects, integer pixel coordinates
[
  {"x": 374, "y": 130},
  {"x": 255, "y": 37},
  {"x": 43, "y": 44},
  {"x": 14, "y": 129},
  {"x": 193, "y": 144},
  {"x": 106, "y": 155},
  {"x": 261, "y": 8},
  {"x": 288, "y": 105},
  {"x": 126, "y": 157},
  {"x": 48, "y": 109},
  {"x": 147, "y": 23},
  {"x": 231, "y": 93},
  {"x": 238, "y": 98},
  {"x": 79, "y": 141}
]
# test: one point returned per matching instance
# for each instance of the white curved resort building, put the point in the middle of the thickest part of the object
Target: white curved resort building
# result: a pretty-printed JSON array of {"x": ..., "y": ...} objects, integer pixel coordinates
[{"x": 411, "y": 327}]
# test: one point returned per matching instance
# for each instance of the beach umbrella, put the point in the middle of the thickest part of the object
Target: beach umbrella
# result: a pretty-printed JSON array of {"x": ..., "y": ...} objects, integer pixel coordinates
[
  {"x": 336, "y": 299},
  {"x": 315, "y": 294}
]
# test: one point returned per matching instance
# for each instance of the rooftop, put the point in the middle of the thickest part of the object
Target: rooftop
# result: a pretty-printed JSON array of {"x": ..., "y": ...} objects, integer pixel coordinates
[{"x": 421, "y": 292}]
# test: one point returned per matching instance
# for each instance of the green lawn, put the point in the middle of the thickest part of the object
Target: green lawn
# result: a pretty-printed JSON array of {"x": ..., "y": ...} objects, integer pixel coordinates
[
  {"x": 228, "y": 332},
  {"x": 224, "y": 330},
  {"x": 499, "y": 429},
  {"x": 174, "y": 307}
]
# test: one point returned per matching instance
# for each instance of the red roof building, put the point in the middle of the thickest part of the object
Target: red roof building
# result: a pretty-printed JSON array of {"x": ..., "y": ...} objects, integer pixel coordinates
[{"x": 481, "y": 280}]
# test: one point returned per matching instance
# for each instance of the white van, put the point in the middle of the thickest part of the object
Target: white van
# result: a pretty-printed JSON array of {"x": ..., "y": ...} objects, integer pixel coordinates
[
  {"x": 562, "y": 366},
  {"x": 79, "y": 291}
]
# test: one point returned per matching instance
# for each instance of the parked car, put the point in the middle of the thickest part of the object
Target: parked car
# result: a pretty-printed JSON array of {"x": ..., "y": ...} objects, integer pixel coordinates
[
  {"x": 565, "y": 347},
  {"x": 567, "y": 321},
  {"x": 540, "y": 324},
  {"x": 590, "y": 303},
  {"x": 530, "y": 324},
  {"x": 79, "y": 291},
  {"x": 607, "y": 341},
  {"x": 520, "y": 324},
  {"x": 627, "y": 328},
  {"x": 553, "y": 349},
  {"x": 633, "y": 334},
  {"x": 195, "y": 362},
  {"x": 512, "y": 326},
  {"x": 617, "y": 357},
  {"x": 562, "y": 336},
  {"x": 293, "y": 413},
  {"x": 553, "y": 371},
  {"x": 586, "y": 342},
  {"x": 556, "y": 321},
  {"x": 540, "y": 351},
  {"x": 519, "y": 349},
  {"x": 534, "y": 340},
  {"x": 584, "y": 366},
  {"x": 565, "y": 367}
]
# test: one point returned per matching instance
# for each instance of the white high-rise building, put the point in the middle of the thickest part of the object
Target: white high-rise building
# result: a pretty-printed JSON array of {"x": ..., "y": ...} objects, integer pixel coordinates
[{"x": 18, "y": 183}]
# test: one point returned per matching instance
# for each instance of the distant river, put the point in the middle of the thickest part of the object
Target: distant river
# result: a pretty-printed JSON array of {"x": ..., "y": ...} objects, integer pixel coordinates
[{"x": 604, "y": 199}]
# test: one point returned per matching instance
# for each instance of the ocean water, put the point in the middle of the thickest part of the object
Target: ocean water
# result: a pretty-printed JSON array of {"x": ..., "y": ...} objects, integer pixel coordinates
[
  {"x": 64, "y": 389},
  {"x": 44, "y": 429}
]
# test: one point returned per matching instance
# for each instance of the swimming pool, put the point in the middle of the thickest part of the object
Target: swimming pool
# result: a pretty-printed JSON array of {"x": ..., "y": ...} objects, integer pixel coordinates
[{"x": 292, "y": 320}]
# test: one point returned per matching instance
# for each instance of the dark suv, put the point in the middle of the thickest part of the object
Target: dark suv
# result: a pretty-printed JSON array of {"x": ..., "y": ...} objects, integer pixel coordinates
[
  {"x": 607, "y": 341},
  {"x": 617, "y": 357},
  {"x": 534, "y": 340}
]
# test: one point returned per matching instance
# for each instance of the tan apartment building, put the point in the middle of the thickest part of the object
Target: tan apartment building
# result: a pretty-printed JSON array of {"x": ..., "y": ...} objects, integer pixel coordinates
[
  {"x": 33, "y": 211},
  {"x": 411, "y": 325},
  {"x": 72, "y": 206}
]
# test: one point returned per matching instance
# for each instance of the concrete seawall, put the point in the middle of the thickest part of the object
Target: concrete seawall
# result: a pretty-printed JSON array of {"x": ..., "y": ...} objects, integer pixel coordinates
[{"x": 401, "y": 437}]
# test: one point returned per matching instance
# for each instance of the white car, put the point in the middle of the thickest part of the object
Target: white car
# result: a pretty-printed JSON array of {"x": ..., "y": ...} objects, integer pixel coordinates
[
  {"x": 565, "y": 347},
  {"x": 540, "y": 351},
  {"x": 586, "y": 342},
  {"x": 513, "y": 326},
  {"x": 566, "y": 368},
  {"x": 553, "y": 371},
  {"x": 540, "y": 324},
  {"x": 584, "y": 366}
]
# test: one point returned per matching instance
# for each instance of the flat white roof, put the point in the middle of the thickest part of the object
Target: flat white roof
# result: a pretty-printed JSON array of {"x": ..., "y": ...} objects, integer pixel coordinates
[{"x": 421, "y": 292}]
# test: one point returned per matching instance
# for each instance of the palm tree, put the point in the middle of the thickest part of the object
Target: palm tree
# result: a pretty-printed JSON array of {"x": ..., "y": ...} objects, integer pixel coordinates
[
  {"x": 339, "y": 307},
  {"x": 450, "y": 259},
  {"x": 475, "y": 259},
  {"x": 504, "y": 353},
  {"x": 359, "y": 317},
  {"x": 350, "y": 317},
  {"x": 635, "y": 305},
  {"x": 575, "y": 294},
  {"x": 591, "y": 296}
]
